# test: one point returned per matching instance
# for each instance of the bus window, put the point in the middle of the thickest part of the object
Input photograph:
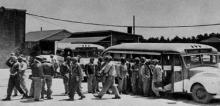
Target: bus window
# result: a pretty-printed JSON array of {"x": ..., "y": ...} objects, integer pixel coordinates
[
  {"x": 177, "y": 63},
  {"x": 166, "y": 63}
]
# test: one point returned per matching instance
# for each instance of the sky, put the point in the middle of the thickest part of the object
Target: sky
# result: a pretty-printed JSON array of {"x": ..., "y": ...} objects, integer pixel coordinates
[{"x": 121, "y": 12}]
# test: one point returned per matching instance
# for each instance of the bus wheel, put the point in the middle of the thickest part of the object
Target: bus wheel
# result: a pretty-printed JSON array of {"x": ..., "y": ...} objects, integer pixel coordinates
[{"x": 199, "y": 94}]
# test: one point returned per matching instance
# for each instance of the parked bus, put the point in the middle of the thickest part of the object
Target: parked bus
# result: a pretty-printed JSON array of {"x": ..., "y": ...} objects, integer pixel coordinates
[{"x": 190, "y": 68}]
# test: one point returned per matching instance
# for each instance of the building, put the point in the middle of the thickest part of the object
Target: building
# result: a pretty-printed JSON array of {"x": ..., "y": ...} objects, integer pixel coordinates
[
  {"x": 12, "y": 32},
  {"x": 104, "y": 38},
  {"x": 43, "y": 42}
]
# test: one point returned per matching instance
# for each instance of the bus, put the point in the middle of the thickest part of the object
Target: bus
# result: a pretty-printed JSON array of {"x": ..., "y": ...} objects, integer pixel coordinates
[{"x": 190, "y": 68}]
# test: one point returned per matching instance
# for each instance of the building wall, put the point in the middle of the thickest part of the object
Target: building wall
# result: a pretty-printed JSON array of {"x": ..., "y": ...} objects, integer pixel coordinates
[{"x": 12, "y": 32}]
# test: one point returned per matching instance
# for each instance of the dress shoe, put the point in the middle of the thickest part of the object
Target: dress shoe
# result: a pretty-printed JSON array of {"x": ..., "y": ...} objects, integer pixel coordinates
[
  {"x": 116, "y": 97},
  {"x": 6, "y": 99},
  {"x": 97, "y": 96}
]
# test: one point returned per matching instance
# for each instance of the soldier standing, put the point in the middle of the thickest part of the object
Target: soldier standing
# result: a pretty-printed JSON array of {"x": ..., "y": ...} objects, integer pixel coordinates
[
  {"x": 14, "y": 79},
  {"x": 23, "y": 68},
  {"x": 65, "y": 70},
  {"x": 75, "y": 80},
  {"x": 98, "y": 76},
  {"x": 49, "y": 72},
  {"x": 157, "y": 77},
  {"x": 110, "y": 73},
  {"x": 142, "y": 69},
  {"x": 123, "y": 74},
  {"x": 146, "y": 78},
  {"x": 90, "y": 72},
  {"x": 37, "y": 78},
  {"x": 135, "y": 68}
]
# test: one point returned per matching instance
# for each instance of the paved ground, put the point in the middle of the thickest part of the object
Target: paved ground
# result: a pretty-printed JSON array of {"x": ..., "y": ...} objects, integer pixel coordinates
[{"x": 60, "y": 99}]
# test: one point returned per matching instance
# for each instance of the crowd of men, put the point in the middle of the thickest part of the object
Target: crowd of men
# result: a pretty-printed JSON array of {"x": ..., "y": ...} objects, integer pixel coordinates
[{"x": 141, "y": 77}]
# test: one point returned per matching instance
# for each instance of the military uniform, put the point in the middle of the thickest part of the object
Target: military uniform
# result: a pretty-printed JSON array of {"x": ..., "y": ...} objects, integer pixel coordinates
[
  {"x": 156, "y": 79},
  {"x": 90, "y": 71},
  {"x": 14, "y": 80},
  {"x": 110, "y": 74},
  {"x": 75, "y": 80},
  {"x": 49, "y": 72},
  {"x": 135, "y": 77},
  {"x": 37, "y": 79},
  {"x": 123, "y": 74},
  {"x": 65, "y": 70}
]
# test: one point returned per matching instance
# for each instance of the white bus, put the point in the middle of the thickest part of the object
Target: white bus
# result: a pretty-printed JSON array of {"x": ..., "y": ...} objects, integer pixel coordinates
[{"x": 191, "y": 68}]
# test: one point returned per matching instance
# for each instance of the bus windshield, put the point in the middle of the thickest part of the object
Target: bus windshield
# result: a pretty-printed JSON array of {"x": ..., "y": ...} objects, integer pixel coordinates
[{"x": 200, "y": 59}]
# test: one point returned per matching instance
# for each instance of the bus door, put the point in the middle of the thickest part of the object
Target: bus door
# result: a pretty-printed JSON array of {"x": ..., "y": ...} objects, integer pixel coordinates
[
  {"x": 178, "y": 81},
  {"x": 167, "y": 68}
]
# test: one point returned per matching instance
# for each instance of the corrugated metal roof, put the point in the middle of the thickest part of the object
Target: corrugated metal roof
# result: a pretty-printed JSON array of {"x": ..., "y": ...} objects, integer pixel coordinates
[
  {"x": 40, "y": 35},
  {"x": 83, "y": 39},
  {"x": 211, "y": 40}
]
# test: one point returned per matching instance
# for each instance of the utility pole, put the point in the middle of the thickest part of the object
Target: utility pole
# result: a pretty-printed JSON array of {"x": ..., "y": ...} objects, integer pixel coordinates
[
  {"x": 111, "y": 43},
  {"x": 133, "y": 25}
]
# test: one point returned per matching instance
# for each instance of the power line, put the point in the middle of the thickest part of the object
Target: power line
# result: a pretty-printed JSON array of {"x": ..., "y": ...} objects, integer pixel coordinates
[
  {"x": 88, "y": 23},
  {"x": 37, "y": 18},
  {"x": 111, "y": 25}
]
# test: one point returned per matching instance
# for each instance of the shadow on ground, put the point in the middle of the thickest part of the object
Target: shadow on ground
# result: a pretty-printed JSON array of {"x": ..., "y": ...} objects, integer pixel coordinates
[{"x": 185, "y": 98}]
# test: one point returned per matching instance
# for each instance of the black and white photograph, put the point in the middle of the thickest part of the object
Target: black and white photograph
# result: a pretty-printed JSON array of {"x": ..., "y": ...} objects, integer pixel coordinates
[{"x": 109, "y": 52}]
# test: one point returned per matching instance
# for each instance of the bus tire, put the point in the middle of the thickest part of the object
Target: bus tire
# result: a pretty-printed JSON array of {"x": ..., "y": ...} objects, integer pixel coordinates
[{"x": 199, "y": 94}]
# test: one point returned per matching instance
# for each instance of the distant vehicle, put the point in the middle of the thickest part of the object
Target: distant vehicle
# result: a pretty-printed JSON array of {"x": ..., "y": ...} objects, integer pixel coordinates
[
  {"x": 190, "y": 68},
  {"x": 59, "y": 59}
]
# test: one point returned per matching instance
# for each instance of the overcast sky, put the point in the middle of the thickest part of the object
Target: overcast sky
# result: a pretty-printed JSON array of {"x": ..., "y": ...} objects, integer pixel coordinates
[{"x": 147, "y": 13}]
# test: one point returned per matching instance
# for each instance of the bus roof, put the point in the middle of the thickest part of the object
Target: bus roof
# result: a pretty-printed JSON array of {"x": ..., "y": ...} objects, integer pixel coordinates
[{"x": 159, "y": 47}]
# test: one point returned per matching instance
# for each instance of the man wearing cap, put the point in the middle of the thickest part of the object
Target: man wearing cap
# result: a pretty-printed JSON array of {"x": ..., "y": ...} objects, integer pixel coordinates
[
  {"x": 49, "y": 72},
  {"x": 98, "y": 76},
  {"x": 123, "y": 74},
  {"x": 140, "y": 78},
  {"x": 157, "y": 77},
  {"x": 76, "y": 77},
  {"x": 146, "y": 77},
  {"x": 14, "y": 79},
  {"x": 90, "y": 72},
  {"x": 135, "y": 68},
  {"x": 110, "y": 73},
  {"x": 65, "y": 69},
  {"x": 55, "y": 64},
  {"x": 37, "y": 78},
  {"x": 23, "y": 68}
]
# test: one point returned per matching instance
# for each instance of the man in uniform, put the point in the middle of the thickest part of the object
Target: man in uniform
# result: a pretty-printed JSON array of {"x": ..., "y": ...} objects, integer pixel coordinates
[
  {"x": 23, "y": 68},
  {"x": 156, "y": 77},
  {"x": 98, "y": 76},
  {"x": 146, "y": 78},
  {"x": 110, "y": 73},
  {"x": 135, "y": 68},
  {"x": 37, "y": 78},
  {"x": 49, "y": 72},
  {"x": 14, "y": 79},
  {"x": 65, "y": 70},
  {"x": 90, "y": 72},
  {"x": 123, "y": 74},
  {"x": 76, "y": 78}
]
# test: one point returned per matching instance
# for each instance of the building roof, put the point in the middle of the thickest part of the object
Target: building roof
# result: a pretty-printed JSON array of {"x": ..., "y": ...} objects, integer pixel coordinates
[
  {"x": 41, "y": 35},
  {"x": 100, "y": 33},
  {"x": 83, "y": 39},
  {"x": 158, "y": 47},
  {"x": 211, "y": 40}
]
